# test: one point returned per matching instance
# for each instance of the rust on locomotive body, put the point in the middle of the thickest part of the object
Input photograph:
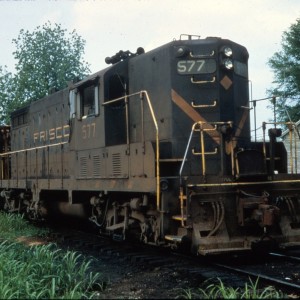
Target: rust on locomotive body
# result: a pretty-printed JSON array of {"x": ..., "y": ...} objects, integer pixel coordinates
[{"x": 156, "y": 147}]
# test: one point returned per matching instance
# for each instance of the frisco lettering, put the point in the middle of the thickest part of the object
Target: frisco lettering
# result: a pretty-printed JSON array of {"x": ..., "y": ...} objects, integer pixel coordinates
[{"x": 52, "y": 134}]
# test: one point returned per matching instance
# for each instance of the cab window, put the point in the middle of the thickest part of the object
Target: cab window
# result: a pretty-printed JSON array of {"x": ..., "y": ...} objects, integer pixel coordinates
[{"x": 84, "y": 101}]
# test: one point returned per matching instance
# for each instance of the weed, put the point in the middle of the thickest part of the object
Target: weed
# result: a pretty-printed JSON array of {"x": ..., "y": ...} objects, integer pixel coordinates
[
  {"x": 220, "y": 291},
  {"x": 43, "y": 271}
]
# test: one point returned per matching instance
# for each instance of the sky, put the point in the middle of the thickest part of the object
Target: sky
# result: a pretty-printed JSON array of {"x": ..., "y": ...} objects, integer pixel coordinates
[{"x": 108, "y": 26}]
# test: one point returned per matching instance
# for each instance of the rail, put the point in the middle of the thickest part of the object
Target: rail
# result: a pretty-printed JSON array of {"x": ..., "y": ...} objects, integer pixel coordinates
[
  {"x": 143, "y": 94},
  {"x": 263, "y": 277}
]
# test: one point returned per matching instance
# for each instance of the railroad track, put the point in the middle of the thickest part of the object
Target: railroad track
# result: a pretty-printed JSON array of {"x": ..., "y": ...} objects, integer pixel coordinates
[
  {"x": 282, "y": 284},
  {"x": 232, "y": 271},
  {"x": 277, "y": 269}
]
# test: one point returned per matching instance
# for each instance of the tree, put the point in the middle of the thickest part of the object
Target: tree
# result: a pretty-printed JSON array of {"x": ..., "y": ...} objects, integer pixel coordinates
[
  {"x": 286, "y": 67},
  {"x": 47, "y": 59},
  {"x": 6, "y": 95}
]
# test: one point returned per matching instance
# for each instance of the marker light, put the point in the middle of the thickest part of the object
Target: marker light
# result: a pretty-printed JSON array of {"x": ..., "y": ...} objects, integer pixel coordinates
[
  {"x": 228, "y": 64},
  {"x": 226, "y": 51}
]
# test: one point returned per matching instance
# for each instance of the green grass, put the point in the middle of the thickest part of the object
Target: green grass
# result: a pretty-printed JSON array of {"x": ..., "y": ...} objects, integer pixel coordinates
[
  {"x": 251, "y": 290},
  {"x": 14, "y": 225},
  {"x": 43, "y": 271}
]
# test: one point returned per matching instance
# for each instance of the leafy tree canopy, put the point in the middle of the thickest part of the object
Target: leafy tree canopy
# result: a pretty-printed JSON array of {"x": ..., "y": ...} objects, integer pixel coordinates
[
  {"x": 286, "y": 67},
  {"x": 47, "y": 59},
  {"x": 7, "y": 100}
]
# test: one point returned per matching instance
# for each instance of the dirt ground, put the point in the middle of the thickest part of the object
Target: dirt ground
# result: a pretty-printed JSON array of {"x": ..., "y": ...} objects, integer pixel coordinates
[{"x": 125, "y": 282}]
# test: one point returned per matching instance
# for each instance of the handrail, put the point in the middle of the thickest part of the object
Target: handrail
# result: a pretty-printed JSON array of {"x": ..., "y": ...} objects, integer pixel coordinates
[
  {"x": 204, "y": 105},
  {"x": 202, "y": 153},
  {"x": 31, "y": 149},
  {"x": 185, "y": 154},
  {"x": 203, "y": 81},
  {"x": 142, "y": 93},
  {"x": 5, "y": 155}
]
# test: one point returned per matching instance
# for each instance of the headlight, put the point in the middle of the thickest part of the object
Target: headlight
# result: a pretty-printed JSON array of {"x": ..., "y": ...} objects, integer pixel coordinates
[
  {"x": 227, "y": 51},
  {"x": 228, "y": 64}
]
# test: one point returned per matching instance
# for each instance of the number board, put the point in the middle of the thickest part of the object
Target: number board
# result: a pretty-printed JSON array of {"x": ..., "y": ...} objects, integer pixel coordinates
[{"x": 196, "y": 66}]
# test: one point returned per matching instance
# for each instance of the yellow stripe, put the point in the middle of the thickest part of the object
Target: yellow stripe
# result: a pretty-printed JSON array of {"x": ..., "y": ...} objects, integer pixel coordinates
[
  {"x": 188, "y": 109},
  {"x": 242, "y": 123},
  {"x": 228, "y": 145},
  {"x": 193, "y": 114}
]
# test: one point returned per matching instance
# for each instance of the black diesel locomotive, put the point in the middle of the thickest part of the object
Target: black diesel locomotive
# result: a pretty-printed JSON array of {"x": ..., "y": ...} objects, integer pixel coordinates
[{"x": 156, "y": 147}]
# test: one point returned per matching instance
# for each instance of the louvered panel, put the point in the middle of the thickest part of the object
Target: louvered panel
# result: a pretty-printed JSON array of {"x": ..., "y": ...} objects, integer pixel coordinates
[
  {"x": 96, "y": 166},
  {"x": 116, "y": 164},
  {"x": 83, "y": 166}
]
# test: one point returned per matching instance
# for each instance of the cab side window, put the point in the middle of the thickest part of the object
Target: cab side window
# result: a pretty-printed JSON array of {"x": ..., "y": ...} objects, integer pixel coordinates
[
  {"x": 88, "y": 101},
  {"x": 84, "y": 101}
]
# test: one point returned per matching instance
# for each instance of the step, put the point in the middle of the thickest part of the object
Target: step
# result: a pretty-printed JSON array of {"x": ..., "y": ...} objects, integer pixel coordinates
[
  {"x": 115, "y": 226},
  {"x": 179, "y": 218},
  {"x": 174, "y": 238}
]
